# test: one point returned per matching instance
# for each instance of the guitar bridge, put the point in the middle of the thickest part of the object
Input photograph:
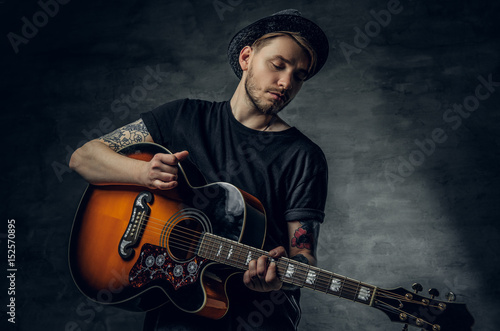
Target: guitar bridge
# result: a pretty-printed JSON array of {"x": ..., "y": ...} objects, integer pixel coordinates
[{"x": 136, "y": 225}]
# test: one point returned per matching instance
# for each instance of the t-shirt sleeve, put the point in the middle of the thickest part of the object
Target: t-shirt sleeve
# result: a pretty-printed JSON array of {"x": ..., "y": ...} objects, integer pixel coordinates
[
  {"x": 306, "y": 201},
  {"x": 160, "y": 121}
]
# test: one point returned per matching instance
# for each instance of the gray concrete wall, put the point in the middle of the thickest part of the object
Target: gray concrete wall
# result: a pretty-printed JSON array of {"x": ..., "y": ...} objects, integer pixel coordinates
[{"x": 411, "y": 140}]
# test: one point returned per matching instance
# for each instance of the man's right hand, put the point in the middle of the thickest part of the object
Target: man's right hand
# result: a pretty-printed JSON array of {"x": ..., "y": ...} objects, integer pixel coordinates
[
  {"x": 162, "y": 171},
  {"x": 99, "y": 163}
]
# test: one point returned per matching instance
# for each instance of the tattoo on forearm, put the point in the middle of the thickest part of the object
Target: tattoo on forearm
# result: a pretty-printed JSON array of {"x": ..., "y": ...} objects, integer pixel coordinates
[
  {"x": 306, "y": 236},
  {"x": 132, "y": 133}
]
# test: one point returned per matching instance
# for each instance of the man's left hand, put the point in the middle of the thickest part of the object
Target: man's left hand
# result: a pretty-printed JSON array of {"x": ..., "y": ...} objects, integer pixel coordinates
[{"x": 261, "y": 276}]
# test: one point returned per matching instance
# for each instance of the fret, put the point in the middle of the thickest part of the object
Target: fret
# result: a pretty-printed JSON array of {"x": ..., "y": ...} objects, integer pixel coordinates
[
  {"x": 303, "y": 275},
  {"x": 217, "y": 247},
  {"x": 219, "y": 250},
  {"x": 230, "y": 252},
  {"x": 238, "y": 255},
  {"x": 249, "y": 257},
  {"x": 335, "y": 285},
  {"x": 326, "y": 287},
  {"x": 372, "y": 300},
  {"x": 204, "y": 248},
  {"x": 342, "y": 284},
  {"x": 311, "y": 278},
  {"x": 349, "y": 288},
  {"x": 364, "y": 293},
  {"x": 290, "y": 270},
  {"x": 327, "y": 282},
  {"x": 357, "y": 291},
  {"x": 225, "y": 251},
  {"x": 239, "y": 250},
  {"x": 292, "y": 273},
  {"x": 199, "y": 249},
  {"x": 213, "y": 248},
  {"x": 245, "y": 252}
]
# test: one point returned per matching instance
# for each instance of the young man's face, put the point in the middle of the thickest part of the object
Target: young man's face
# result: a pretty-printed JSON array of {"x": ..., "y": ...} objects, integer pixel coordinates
[{"x": 275, "y": 74}]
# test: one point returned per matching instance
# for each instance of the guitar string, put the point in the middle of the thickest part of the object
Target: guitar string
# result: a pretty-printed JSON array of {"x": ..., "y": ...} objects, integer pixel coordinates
[
  {"x": 387, "y": 307},
  {"x": 350, "y": 290},
  {"x": 179, "y": 244},
  {"x": 352, "y": 286},
  {"x": 344, "y": 288}
]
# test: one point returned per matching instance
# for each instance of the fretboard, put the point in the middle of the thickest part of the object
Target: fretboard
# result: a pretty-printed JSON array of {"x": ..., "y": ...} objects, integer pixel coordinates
[{"x": 237, "y": 255}]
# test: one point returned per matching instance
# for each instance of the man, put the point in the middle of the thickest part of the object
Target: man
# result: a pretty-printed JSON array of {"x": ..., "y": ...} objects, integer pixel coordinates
[{"x": 242, "y": 141}]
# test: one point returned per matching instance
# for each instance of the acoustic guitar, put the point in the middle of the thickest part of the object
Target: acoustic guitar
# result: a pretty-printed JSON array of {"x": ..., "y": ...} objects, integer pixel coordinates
[{"x": 140, "y": 248}]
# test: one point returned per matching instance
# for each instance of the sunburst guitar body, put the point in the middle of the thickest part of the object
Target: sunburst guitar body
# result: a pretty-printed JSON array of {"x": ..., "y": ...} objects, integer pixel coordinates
[{"x": 139, "y": 248}]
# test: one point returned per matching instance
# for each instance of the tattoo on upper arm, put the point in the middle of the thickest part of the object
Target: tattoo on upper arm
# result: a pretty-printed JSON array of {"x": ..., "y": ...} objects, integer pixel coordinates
[
  {"x": 132, "y": 133},
  {"x": 306, "y": 236}
]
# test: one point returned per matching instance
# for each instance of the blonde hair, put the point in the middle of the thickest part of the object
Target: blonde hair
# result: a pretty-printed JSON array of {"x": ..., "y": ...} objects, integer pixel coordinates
[{"x": 298, "y": 38}]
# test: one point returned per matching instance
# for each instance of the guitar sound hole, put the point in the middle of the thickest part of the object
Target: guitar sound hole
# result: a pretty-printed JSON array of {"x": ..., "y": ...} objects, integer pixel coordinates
[{"x": 183, "y": 239}]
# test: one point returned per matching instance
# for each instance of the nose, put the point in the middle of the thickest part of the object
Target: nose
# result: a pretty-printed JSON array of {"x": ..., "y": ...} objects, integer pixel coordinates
[{"x": 285, "y": 81}]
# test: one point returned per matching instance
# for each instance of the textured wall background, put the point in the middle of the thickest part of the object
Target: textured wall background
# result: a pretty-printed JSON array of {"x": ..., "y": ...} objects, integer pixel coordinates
[{"x": 401, "y": 209}]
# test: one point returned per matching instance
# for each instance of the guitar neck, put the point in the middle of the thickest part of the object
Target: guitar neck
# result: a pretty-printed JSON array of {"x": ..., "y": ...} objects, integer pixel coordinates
[{"x": 237, "y": 255}]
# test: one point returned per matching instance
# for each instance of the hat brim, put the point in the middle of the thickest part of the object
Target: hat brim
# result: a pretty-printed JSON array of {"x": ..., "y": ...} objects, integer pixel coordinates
[{"x": 292, "y": 23}]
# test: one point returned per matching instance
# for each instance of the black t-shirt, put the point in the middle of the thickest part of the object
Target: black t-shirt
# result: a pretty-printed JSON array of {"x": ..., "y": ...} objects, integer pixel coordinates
[{"x": 285, "y": 170}]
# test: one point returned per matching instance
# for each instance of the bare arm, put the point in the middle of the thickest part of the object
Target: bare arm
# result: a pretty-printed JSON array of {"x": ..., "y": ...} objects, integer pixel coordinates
[
  {"x": 98, "y": 162},
  {"x": 303, "y": 240},
  {"x": 261, "y": 276}
]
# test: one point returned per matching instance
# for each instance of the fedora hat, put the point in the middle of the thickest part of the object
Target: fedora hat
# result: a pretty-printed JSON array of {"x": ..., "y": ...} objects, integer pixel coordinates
[{"x": 286, "y": 20}]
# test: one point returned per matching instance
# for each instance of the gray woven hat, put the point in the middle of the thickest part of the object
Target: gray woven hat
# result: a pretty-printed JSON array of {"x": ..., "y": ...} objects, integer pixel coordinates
[{"x": 285, "y": 20}]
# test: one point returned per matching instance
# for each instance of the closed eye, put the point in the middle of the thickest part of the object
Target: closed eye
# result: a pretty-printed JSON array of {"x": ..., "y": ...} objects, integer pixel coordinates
[
  {"x": 300, "y": 77},
  {"x": 277, "y": 66}
]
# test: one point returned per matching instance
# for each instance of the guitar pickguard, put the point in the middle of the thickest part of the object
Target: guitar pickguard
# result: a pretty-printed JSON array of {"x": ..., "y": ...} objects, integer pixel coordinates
[{"x": 154, "y": 263}]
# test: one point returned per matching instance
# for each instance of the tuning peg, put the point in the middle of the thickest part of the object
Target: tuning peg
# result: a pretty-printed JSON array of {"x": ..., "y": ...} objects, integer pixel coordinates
[
  {"x": 433, "y": 293},
  {"x": 450, "y": 296},
  {"x": 417, "y": 287}
]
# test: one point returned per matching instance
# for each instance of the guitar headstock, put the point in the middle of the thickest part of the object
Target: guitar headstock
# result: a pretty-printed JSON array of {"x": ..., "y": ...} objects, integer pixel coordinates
[{"x": 410, "y": 308}]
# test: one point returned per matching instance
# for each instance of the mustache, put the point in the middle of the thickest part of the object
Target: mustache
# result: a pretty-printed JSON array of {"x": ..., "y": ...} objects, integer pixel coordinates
[{"x": 283, "y": 94}]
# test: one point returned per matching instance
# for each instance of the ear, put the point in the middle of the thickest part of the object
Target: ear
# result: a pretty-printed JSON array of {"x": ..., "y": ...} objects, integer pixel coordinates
[{"x": 244, "y": 57}]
